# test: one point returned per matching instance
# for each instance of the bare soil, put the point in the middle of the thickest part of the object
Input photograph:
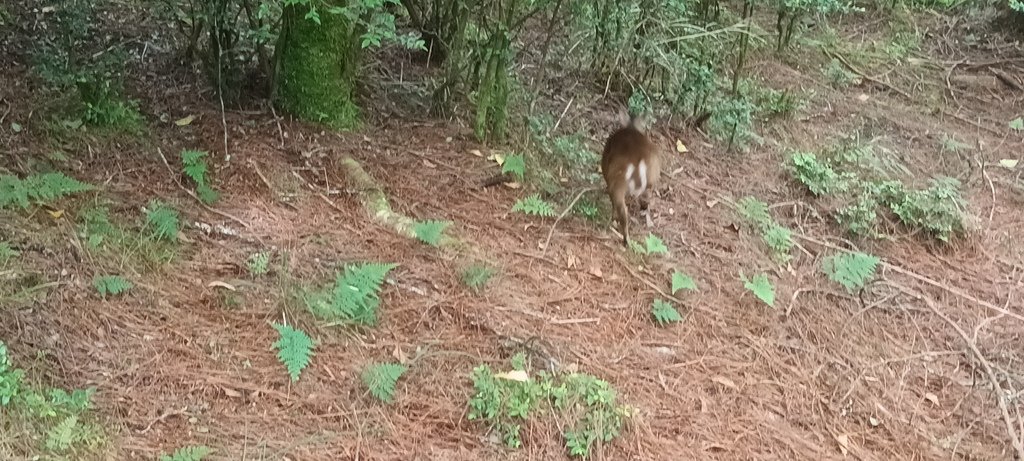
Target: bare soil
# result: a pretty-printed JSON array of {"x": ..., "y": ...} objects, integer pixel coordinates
[{"x": 878, "y": 376}]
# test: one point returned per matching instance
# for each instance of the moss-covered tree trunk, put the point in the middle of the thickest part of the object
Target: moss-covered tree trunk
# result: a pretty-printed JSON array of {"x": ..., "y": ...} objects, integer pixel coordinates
[{"x": 317, "y": 68}]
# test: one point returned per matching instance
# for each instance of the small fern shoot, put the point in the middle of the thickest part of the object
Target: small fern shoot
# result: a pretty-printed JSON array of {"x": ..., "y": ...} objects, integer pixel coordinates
[
  {"x": 534, "y": 205},
  {"x": 194, "y": 453},
  {"x": 664, "y": 313},
  {"x": 476, "y": 276},
  {"x": 194, "y": 166},
  {"x": 754, "y": 211},
  {"x": 430, "y": 232},
  {"x": 111, "y": 285},
  {"x": 355, "y": 295},
  {"x": 515, "y": 165},
  {"x": 258, "y": 263},
  {"x": 761, "y": 287},
  {"x": 294, "y": 349},
  {"x": 163, "y": 220},
  {"x": 652, "y": 245},
  {"x": 851, "y": 270},
  {"x": 38, "y": 188},
  {"x": 381, "y": 378},
  {"x": 7, "y": 253},
  {"x": 681, "y": 281}
]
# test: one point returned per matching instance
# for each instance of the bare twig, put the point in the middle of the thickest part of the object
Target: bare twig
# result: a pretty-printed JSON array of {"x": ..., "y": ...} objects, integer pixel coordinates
[
  {"x": 1011, "y": 431},
  {"x": 567, "y": 209},
  {"x": 921, "y": 278},
  {"x": 194, "y": 196},
  {"x": 560, "y": 117},
  {"x": 868, "y": 77}
]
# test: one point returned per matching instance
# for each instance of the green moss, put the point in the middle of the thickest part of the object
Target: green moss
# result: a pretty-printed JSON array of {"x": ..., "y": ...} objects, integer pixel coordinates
[{"x": 317, "y": 68}]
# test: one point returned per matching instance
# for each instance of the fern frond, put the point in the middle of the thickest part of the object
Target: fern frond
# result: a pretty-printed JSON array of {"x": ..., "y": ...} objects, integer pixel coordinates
[
  {"x": 39, "y": 188},
  {"x": 430, "y": 232},
  {"x": 851, "y": 270},
  {"x": 111, "y": 284},
  {"x": 355, "y": 295},
  {"x": 664, "y": 313},
  {"x": 754, "y": 211},
  {"x": 294, "y": 349},
  {"x": 188, "y": 454},
  {"x": 64, "y": 435},
  {"x": 476, "y": 276},
  {"x": 163, "y": 220},
  {"x": 681, "y": 281},
  {"x": 7, "y": 253},
  {"x": 534, "y": 205},
  {"x": 654, "y": 245},
  {"x": 514, "y": 164},
  {"x": 761, "y": 287},
  {"x": 381, "y": 378}
]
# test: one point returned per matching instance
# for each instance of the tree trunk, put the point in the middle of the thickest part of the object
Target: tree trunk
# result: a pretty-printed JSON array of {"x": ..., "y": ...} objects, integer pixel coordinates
[{"x": 317, "y": 67}]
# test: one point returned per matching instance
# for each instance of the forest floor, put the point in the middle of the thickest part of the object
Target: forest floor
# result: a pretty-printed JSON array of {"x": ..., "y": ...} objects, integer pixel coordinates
[{"x": 898, "y": 371}]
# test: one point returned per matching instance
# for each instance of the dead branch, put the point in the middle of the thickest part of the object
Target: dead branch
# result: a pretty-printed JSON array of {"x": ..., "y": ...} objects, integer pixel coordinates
[{"x": 547, "y": 241}]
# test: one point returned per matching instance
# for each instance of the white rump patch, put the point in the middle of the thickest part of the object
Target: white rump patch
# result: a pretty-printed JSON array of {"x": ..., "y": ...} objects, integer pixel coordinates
[{"x": 634, "y": 188}]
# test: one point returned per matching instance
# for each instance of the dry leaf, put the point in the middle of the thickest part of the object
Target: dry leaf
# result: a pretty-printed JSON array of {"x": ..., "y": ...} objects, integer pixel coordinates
[
  {"x": 232, "y": 393},
  {"x": 476, "y": 152},
  {"x": 399, "y": 355},
  {"x": 514, "y": 375},
  {"x": 55, "y": 214},
  {"x": 428, "y": 164},
  {"x": 498, "y": 158},
  {"x": 571, "y": 261},
  {"x": 873, "y": 421},
  {"x": 725, "y": 382},
  {"x": 680, "y": 147},
  {"x": 934, "y": 399},
  {"x": 863, "y": 97},
  {"x": 596, "y": 272},
  {"x": 513, "y": 185},
  {"x": 1008, "y": 163},
  {"x": 185, "y": 120},
  {"x": 844, "y": 443},
  {"x": 218, "y": 283}
]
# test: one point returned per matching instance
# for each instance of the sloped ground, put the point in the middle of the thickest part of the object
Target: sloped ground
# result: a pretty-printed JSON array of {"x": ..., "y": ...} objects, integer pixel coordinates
[{"x": 887, "y": 376}]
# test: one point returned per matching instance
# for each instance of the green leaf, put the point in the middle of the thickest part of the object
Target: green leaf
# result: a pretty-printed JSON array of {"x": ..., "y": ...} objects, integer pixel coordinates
[
  {"x": 514, "y": 164},
  {"x": 851, "y": 270},
  {"x": 761, "y": 287},
  {"x": 681, "y": 281},
  {"x": 294, "y": 349},
  {"x": 188, "y": 454},
  {"x": 1017, "y": 124},
  {"x": 7, "y": 253},
  {"x": 754, "y": 211},
  {"x": 163, "y": 220},
  {"x": 476, "y": 276},
  {"x": 654, "y": 245},
  {"x": 430, "y": 232},
  {"x": 354, "y": 296},
  {"x": 534, "y": 205},
  {"x": 664, "y": 313},
  {"x": 111, "y": 284},
  {"x": 381, "y": 378}
]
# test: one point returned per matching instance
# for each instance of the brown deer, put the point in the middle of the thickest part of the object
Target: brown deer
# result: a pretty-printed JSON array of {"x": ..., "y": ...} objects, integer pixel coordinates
[{"x": 630, "y": 164}]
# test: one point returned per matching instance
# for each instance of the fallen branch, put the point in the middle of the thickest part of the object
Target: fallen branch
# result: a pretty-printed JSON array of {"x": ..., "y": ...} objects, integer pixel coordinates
[
  {"x": 194, "y": 196},
  {"x": 1011, "y": 431},
  {"x": 921, "y": 278},
  {"x": 565, "y": 212}
]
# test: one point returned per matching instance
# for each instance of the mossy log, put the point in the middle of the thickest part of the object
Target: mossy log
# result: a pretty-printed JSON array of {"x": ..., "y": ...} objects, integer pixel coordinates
[
  {"x": 376, "y": 204},
  {"x": 317, "y": 68}
]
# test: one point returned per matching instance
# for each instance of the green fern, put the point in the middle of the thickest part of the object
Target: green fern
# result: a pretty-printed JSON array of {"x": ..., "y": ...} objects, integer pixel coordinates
[
  {"x": 195, "y": 453},
  {"x": 534, "y": 205},
  {"x": 761, "y": 287},
  {"x": 294, "y": 349},
  {"x": 476, "y": 276},
  {"x": 38, "y": 188},
  {"x": 754, "y": 211},
  {"x": 69, "y": 433},
  {"x": 163, "y": 220},
  {"x": 7, "y": 253},
  {"x": 111, "y": 284},
  {"x": 194, "y": 166},
  {"x": 258, "y": 263},
  {"x": 681, "y": 281},
  {"x": 381, "y": 378},
  {"x": 851, "y": 270},
  {"x": 652, "y": 245},
  {"x": 355, "y": 295},
  {"x": 430, "y": 232},
  {"x": 664, "y": 313},
  {"x": 514, "y": 164},
  {"x": 780, "y": 240}
]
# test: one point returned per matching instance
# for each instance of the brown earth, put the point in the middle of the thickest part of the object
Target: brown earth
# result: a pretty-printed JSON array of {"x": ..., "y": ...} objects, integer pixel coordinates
[{"x": 885, "y": 376}]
